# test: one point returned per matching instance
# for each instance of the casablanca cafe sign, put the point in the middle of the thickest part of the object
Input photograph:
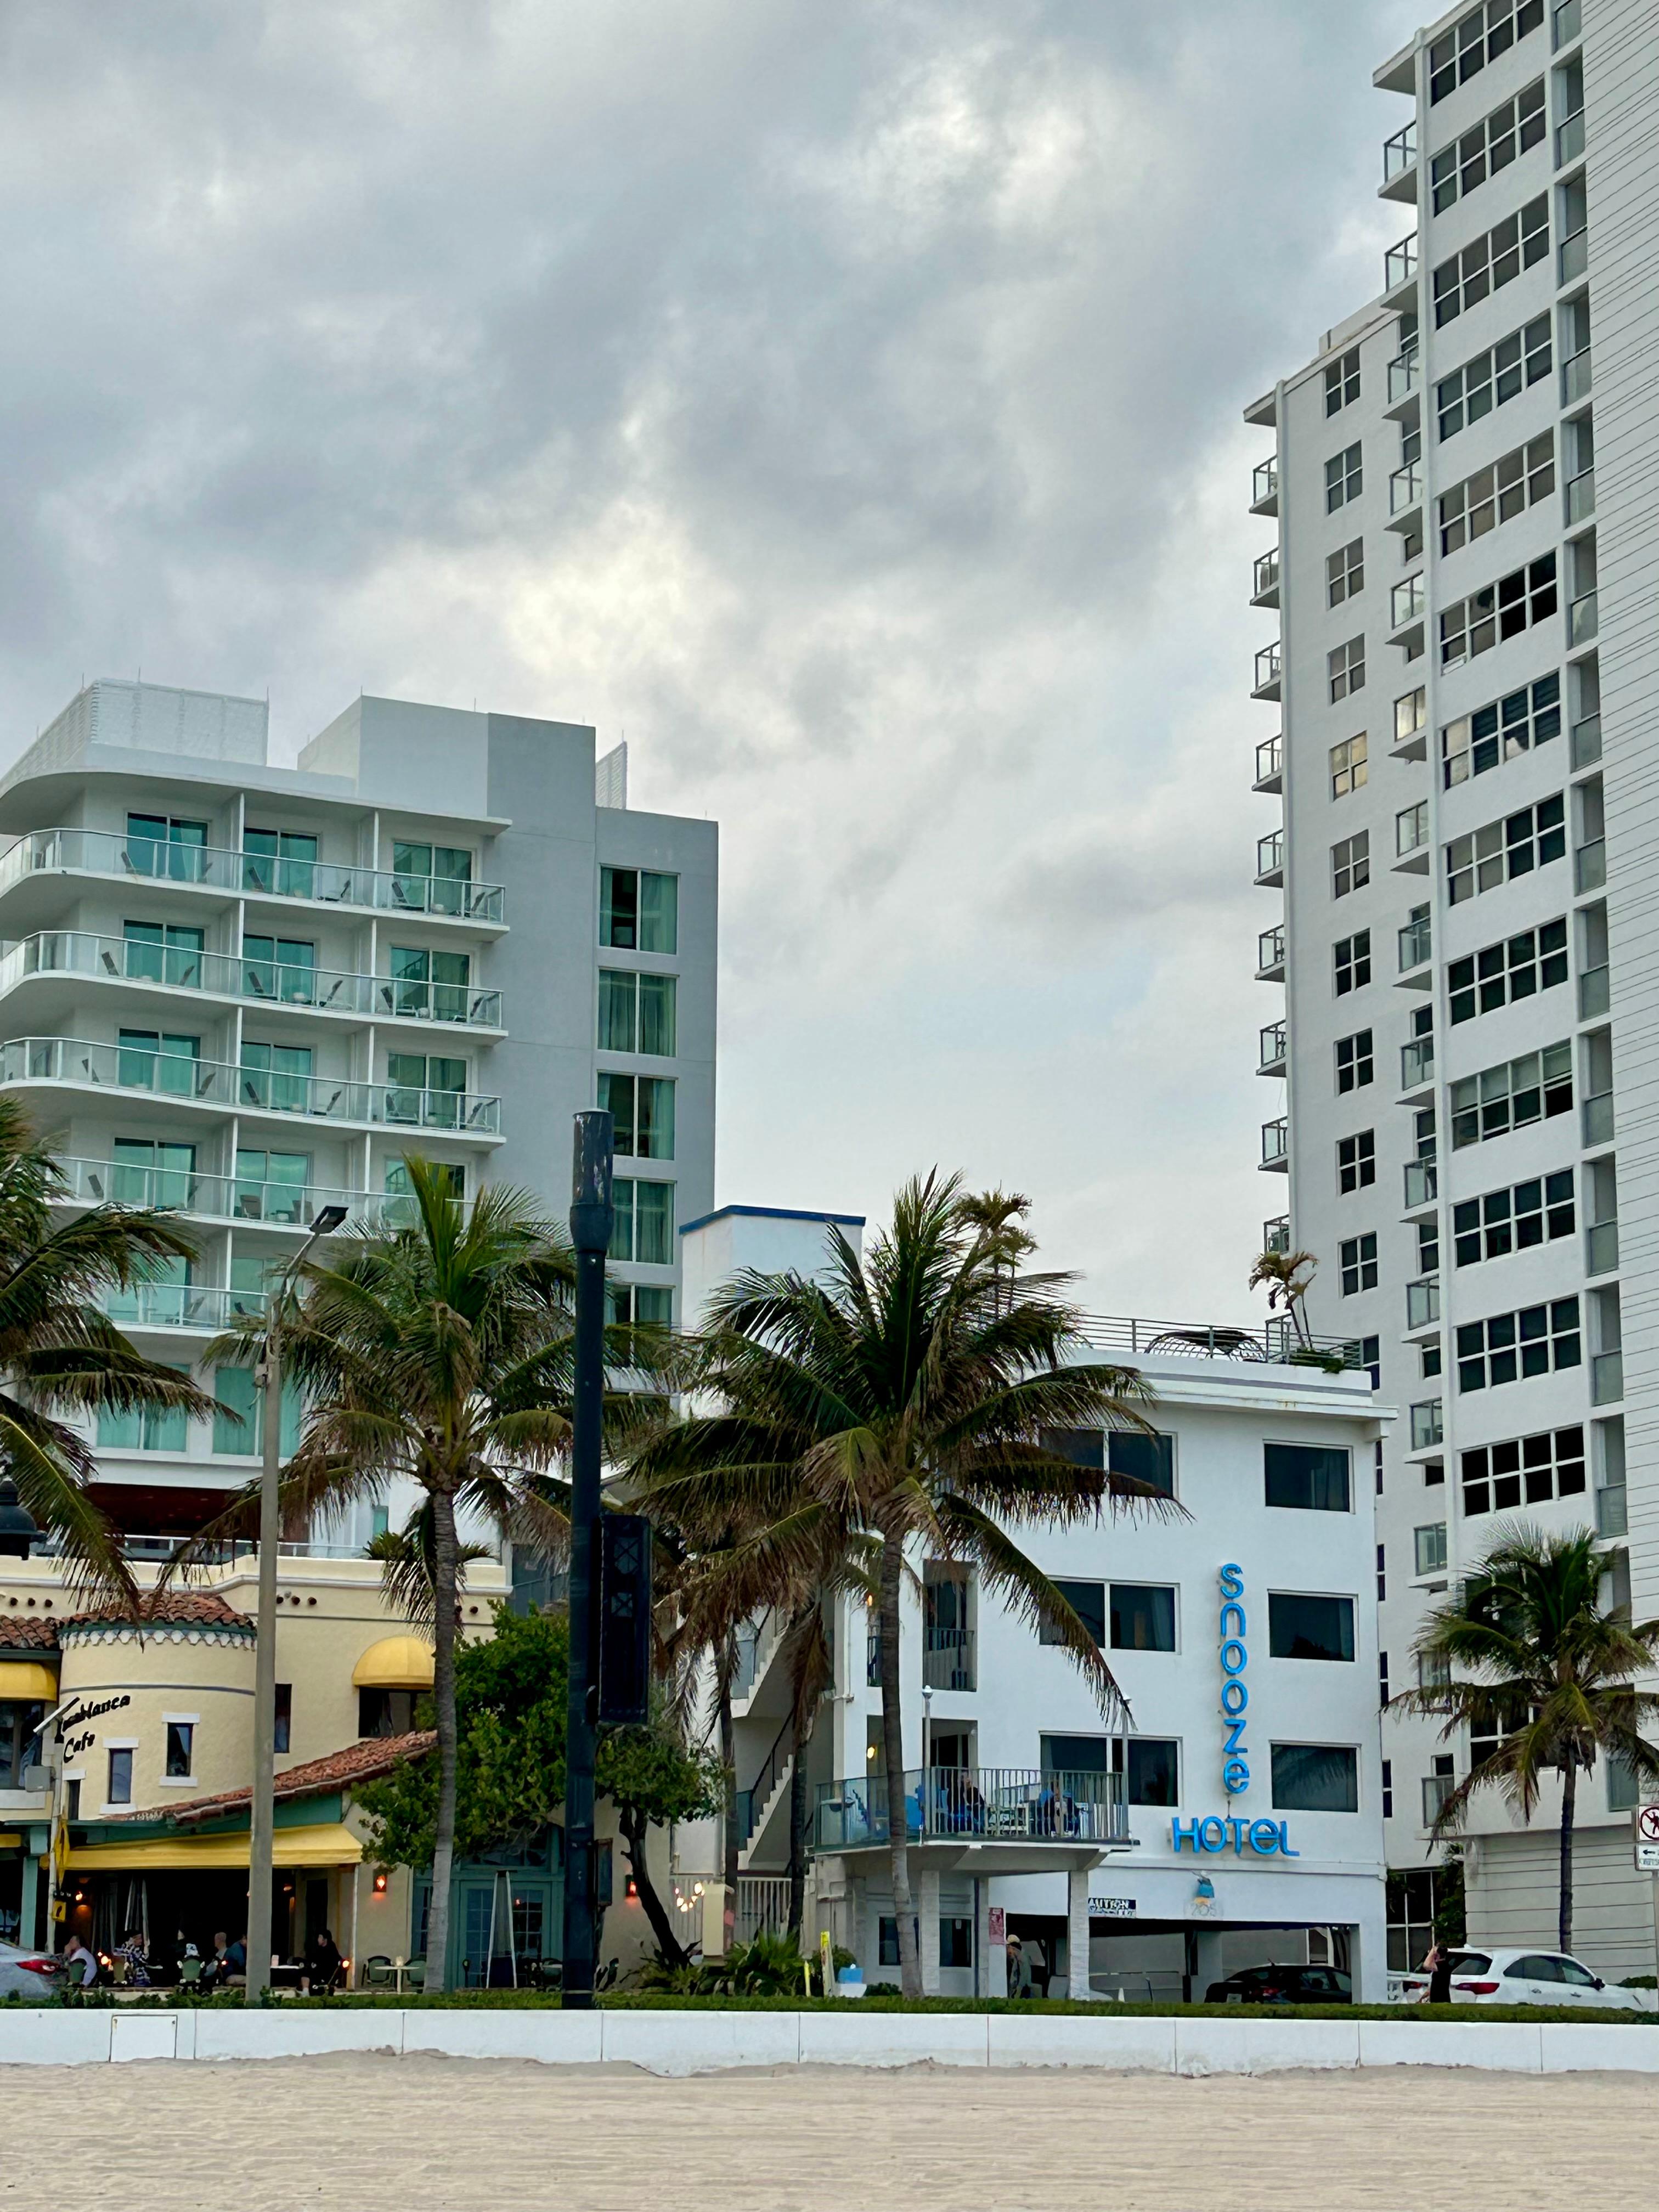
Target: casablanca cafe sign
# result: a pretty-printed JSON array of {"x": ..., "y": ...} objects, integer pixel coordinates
[{"x": 1267, "y": 1839}]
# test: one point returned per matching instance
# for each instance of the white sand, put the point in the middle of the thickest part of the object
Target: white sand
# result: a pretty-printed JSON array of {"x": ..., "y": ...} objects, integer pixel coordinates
[{"x": 386, "y": 2134}]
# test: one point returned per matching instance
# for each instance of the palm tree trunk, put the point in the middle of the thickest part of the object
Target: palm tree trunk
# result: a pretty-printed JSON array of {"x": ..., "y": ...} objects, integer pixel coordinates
[
  {"x": 445, "y": 1574},
  {"x": 632, "y": 1823},
  {"x": 798, "y": 1840},
  {"x": 729, "y": 1842},
  {"x": 1568, "y": 1804},
  {"x": 892, "y": 1737}
]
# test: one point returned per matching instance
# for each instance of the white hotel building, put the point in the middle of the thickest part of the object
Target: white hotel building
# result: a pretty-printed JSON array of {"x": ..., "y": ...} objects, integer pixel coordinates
[
  {"x": 1122, "y": 1848},
  {"x": 247, "y": 991},
  {"x": 1465, "y": 499}
]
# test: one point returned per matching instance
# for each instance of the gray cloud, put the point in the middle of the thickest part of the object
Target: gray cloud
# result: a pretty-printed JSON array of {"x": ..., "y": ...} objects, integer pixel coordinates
[{"x": 844, "y": 402}]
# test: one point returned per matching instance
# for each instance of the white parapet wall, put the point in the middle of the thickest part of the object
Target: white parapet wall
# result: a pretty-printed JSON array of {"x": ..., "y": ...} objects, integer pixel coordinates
[{"x": 679, "y": 2043}]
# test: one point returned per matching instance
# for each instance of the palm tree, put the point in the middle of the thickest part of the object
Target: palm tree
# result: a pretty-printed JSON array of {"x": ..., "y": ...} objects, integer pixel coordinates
[
  {"x": 1545, "y": 1668},
  {"x": 442, "y": 1354},
  {"x": 59, "y": 1351},
  {"x": 1288, "y": 1276},
  {"x": 902, "y": 1400}
]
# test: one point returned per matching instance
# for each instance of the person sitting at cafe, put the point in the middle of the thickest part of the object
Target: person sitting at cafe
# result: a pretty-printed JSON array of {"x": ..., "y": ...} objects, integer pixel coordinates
[
  {"x": 80, "y": 1964},
  {"x": 229, "y": 1960},
  {"x": 325, "y": 1967},
  {"x": 132, "y": 1950}
]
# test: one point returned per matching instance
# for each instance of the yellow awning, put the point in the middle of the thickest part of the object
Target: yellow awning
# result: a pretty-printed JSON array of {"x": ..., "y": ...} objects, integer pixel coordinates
[
  {"x": 396, "y": 1662},
  {"x": 324, "y": 1843},
  {"x": 28, "y": 1681},
  {"x": 9, "y": 1839}
]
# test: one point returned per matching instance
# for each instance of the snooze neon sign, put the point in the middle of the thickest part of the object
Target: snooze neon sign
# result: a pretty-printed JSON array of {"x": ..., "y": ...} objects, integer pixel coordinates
[{"x": 1234, "y": 1692}]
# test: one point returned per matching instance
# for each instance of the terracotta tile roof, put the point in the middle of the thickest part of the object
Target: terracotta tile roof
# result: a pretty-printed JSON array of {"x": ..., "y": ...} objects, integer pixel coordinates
[
  {"x": 27, "y": 1631},
  {"x": 171, "y": 1608},
  {"x": 315, "y": 1777}
]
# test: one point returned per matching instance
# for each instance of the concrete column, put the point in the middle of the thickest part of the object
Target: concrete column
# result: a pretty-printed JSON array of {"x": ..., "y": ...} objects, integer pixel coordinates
[
  {"x": 1207, "y": 1965},
  {"x": 1368, "y": 1952},
  {"x": 1077, "y": 1933},
  {"x": 926, "y": 1897},
  {"x": 994, "y": 1980}
]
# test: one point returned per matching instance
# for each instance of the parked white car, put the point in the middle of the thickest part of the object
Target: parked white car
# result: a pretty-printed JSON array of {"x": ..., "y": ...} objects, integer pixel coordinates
[{"x": 1521, "y": 1978}]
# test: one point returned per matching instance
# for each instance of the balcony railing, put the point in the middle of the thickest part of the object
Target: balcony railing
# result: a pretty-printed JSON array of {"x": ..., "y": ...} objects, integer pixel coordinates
[
  {"x": 1399, "y": 153},
  {"x": 1607, "y": 1378},
  {"x": 1404, "y": 372},
  {"x": 1427, "y": 1428},
  {"x": 1272, "y": 1046},
  {"x": 1568, "y": 22},
  {"x": 1589, "y": 866},
  {"x": 1598, "y": 1118},
  {"x": 1422, "y": 1184},
  {"x": 255, "y": 875},
  {"x": 233, "y": 975},
  {"x": 1575, "y": 377},
  {"x": 1270, "y": 857},
  {"x": 1611, "y": 1517},
  {"x": 1601, "y": 1247},
  {"x": 1276, "y": 1143},
  {"x": 994, "y": 1804},
  {"x": 1581, "y": 496},
  {"x": 1574, "y": 253},
  {"x": 1411, "y": 829},
  {"x": 1270, "y": 953},
  {"x": 1264, "y": 483},
  {"x": 1265, "y": 575},
  {"x": 1399, "y": 263},
  {"x": 1570, "y": 138},
  {"x": 1416, "y": 1063},
  {"x": 1267, "y": 673},
  {"x": 179, "y": 1305},
  {"x": 1587, "y": 741},
  {"x": 228, "y": 1198},
  {"x": 1270, "y": 760},
  {"x": 1582, "y": 619},
  {"x": 947, "y": 1659},
  {"x": 1422, "y": 1303},
  {"x": 1276, "y": 1234},
  {"x": 1406, "y": 489},
  {"x": 1416, "y": 941},
  {"x": 1595, "y": 993},
  {"x": 1406, "y": 603},
  {"x": 251, "y": 1090},
  {"x": 1273, "y": 1342}
]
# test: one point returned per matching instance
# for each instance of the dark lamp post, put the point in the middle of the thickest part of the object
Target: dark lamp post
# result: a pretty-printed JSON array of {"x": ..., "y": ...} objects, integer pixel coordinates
[
  {"x": 590, "y": 1235},
  {"x": 18, "y": 1528}
]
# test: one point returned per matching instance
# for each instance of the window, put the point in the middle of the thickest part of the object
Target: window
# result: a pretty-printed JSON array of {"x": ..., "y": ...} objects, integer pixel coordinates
[
  {"x": 280, "y": 860},
  {"x": 1478, "y": 38},
  {"x": 1354, "y": 1061},
  {"x": 1511, "y": 1346},
  {"x": 430, "y": 878},
  {"x": 1428, "y": 1247},
  {"x": 956, "y": 1941},
  {"x": 1344, "y": 478},
  {"x": 643, "y": 1106},
  {"x": 1524, "y": 597},
  {"x": 275, "y": 1077},
  {"x": 1437, "y": 1786},
  {"x": 1356, "y": 1161},
  {"x": 1465, "y": 165},
  {"x": 163, "y": 952},
  {"x": 1410, "y": 714},
  {"x": 1497, "y": 494},
  {"x": 1348, "y": 766},
  {"x": 1430, "y": 1547},
  {"x": 1300, "y": 1627},
  {"x": 146, "y": 1428},
  {"x": 1357, "y": 1257},
  {"x": 1525, "y": 1471},
  {"x": 1345, "y": 573},
  {"x": 1535, "y": 1212},
  {"x": 1142, "y": 1617},
  {"x": 637, "y": 1013},
  {"x": 1491, "y": 379},
  {"x": 1347, "y": 666},
  {"x": 642, "y": 1227},
  {"x": 1315, "y": 1778},
  {"x": 1512, "y": 1096},
  {"x": 1153, "y": 1763},
  {"x": 639, "y": 912},
  {"x": 1487, "y": 265},
  {"x": 1499, "y": 852},
  {"x": 385, "y": 1712},
  {"x": 181, "y": 1744},
  {"x": 639, "y": 1305},
  {"x": 1147, "y": 1459},
  {"x": 431, "y": 986},
  {"x": 145, "y": 1172},
  {"x": 239, "y": 1419},
  {"x": 152, "y": 1060},
  {"x": 282, "y": 970},
  {"x": 1493, "y": 734},
  {"x": 120, "y": 1777},
  {"x": 1309, "y": 1478},
  {"x": 1626, "y": 1791},
  {"x": 425, "y": 1088},
  {"x": 1388, "y": 1788},
  {"x": 1351, "y": 864},
  {"x": 1351, "y": 957},
  {"x": 1088, "y": 1601},
  {"x": 283, "y": 1718},
  {"x": 1342, "y": 382},
  {"x": 160, "y": 845},
  {"x": 1515, "y": 968}
]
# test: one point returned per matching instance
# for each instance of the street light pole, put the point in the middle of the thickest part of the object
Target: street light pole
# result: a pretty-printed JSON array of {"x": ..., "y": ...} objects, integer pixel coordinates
[
  {"x": 268, "y": 1376},
  {"x": 590, "y": 1235}
]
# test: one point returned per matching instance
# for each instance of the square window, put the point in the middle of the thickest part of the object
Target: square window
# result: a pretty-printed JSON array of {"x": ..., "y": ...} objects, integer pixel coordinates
[
  {"x": 1345, "y": 573},
  {"x": 1356, "y": 1161},
  {"x": 1348, "y": 765},
  {"x": 1303, "y": 1627},
  {"x": 1354, "y": 1060},
  {"x": 1358, "y": 1264},
  {"x": 1347, "y": 669},
  {"x": 1088, "y": 1601},
  {"x": 1142, "y": 1617},
  {"x": 1351, "y": 864},
  {"x": 1351, "y": 962},
  {"x": 1342, "y": 382},
  {"x": 1307, "y": 1478},
  {"x": 1315, "y": 1778},
  {"x": 1344, "y": 478}
]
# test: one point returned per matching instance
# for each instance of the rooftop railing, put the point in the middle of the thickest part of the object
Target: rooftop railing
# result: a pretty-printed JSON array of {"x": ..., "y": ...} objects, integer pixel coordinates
[
  {"x": 990, "y": 1804},
  {"x": 250, "y": 1090},
  {"x": 1273, "y": 1342},
  {"x": 237, "y": 975},
  {"x": 254, "y": 875}
]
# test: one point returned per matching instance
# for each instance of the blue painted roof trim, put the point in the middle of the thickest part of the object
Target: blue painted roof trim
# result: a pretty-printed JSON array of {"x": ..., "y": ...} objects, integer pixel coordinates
[{"x": 771, "y": 1213}]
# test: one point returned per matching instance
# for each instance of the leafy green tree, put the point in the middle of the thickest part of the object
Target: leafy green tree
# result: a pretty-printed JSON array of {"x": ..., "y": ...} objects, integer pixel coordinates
[
  {"x": 1526, "y": 1653},
  {"x": 59, "y": 1351},
  {"x": 510, "y": 1693},
  {"x": 902, "y": 1400}
]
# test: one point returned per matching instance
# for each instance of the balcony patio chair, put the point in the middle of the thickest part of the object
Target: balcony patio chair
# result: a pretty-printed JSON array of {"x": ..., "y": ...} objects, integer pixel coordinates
[
  {"x": 414, "y": 1974},
  {"x": 190, "y": 1972},
  {"x": 377, "y": 1973}
]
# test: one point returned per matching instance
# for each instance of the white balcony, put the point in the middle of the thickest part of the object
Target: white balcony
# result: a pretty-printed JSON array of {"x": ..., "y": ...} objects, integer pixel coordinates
[
  {"x": 1264, "y": 487},
  {"x": 1270, "y": 861},
  {"x": 272, "y": 1205},
  {"x": 1276, "y": 1146},
  {"x": 1270, "y": 955},
  {"x": 1270, "y": 765},
  {"x": 1272, "y": 1048},
  {"x": 1399, "y": 166},
  {"x": 1399, "y": 273},
  {"x": 1269, "y": 673},
  {"x": 1264, "y": 581}
]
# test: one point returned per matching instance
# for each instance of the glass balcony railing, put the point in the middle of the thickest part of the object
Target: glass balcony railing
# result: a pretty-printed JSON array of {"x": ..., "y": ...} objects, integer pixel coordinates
[
  {"x": 1264, "y": 482},
  {"x": 1570, "y": 139},
  {"x": 1411, "y": 829},
  {"x": 1399, "y": 263},
  {"x": 1598, "y": 1118},
  {"x": 254, "y": 875},
  {"x": 1270, "y": 950},
  {"x": 233, "y": 975},
  {"x": 273, "y": 1204},
  {"x": 1601, "y": 1247},
  {"x": 1416, "y": 1063},
  {"x": 1267, "y": 671},
  {"x": 1589, "y": 866},
  {"x": 1575, "y": 377},
  {"x": 76, "y": 1062},
  {"x": 1427, "y": 1430},
  {"x": 179, "y": 1305},
  {"x": 1272, "y": 1045},
  {"x": 1607, "y": 1378},
  {"x": 1270, "y": 759},
  {"x": 1422, "y": 1185},
  {"x": 1399, "y": 153},
  {"x": 1587, "y": 741},
  {"x": 1581, "y": 496},
  {"x": 999, "y": 1803},
  {"x": 1422, "y": 1303},
  {"x": 1568, "y": 22},
  {"x": 1575, "y": 254},
  {"x": 1276, "y": 1234},
  {"x": 1276, "y": 1143},
  {"x": 1404, "y": 374},
  {"x": 1270, "y": 856},
  {"x": 1611, "y": 1517},
  {"x": 1406, "y": 603},
  {"x": 1595, "y": 993},
  {"x": 1265, "y": 575},
  {"x": 1416, "y": 940},
  {"x": 1406, "y": 489},
  {"x": 1582, "y": 619}
]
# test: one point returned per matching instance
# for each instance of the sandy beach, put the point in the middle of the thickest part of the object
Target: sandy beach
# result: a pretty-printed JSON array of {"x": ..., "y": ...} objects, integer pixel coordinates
[{"x": 482, "y": 2135}]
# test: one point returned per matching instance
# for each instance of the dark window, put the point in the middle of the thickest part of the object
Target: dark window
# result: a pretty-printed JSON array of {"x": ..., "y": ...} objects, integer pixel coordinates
[
  {"x": 887, "y": 1950},
  {"x": 1356, "y": 1160},
  {"x": 1315, "y": 1778},
  {"x": 1357, "y": 1264},
  {"x": 1153, "y": 1763},
  {"x": 385, "y": 1712},
  {"x": 1313, "y": 1477},
  {"x": 1523, "y": 1471},
  {"x": 1300, "y": 1627},
  {"x": 1354, "y": 1060},
  {"x": 1079, "y": 1447},
  {"x": 956, "y": 1943},
  {"x": 1509, "y": 1347},
  {"x": 1088, "y": 1601},
  {"x": 1078, "y": 1754},
  {"x": 120, "y": 1777},
  {"x": 1148, "y": 1459},
  {"x": 1352, "y": 956},
  {"x": 1142, "y": 1617},
  {"x": 284, "y": 1715},
  {"x": 181, "y": 1741}
]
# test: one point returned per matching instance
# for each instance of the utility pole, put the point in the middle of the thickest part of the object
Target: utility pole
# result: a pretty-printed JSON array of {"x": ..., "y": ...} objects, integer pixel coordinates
[
  {"x": 590, "y": 1235},
  {"x": 268, "y": 1376}
]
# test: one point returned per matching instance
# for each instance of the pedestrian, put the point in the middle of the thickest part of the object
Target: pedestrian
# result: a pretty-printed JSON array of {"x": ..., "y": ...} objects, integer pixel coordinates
[
  {"x": 1438, "y": 1967},
  {"x": 323, "y": 1964},
  {"x": 1019, "y": 1971}
]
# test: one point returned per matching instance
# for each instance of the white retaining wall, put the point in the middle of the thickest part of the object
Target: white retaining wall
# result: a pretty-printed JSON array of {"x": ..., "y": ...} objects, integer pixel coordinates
[{"x": 709, "y": 2042}]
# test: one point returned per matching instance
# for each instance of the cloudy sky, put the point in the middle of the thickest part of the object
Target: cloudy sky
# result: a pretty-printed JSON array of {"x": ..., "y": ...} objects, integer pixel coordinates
[{"x": 839, "y": 398}]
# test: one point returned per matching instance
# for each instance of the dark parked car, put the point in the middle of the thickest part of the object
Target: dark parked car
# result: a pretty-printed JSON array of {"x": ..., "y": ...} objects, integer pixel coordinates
[{"x": 1284, "y": 1985}]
